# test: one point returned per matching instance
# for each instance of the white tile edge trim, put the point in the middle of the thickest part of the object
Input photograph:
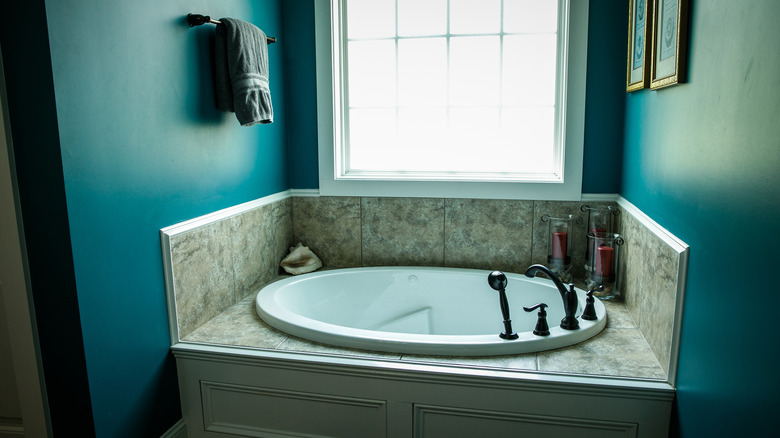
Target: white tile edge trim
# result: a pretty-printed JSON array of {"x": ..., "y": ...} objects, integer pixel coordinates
[
  {"x": 664, "y": 234},
  {"x": 178, "y": 430},
  {"x": 225, "y": 213},
  {"x": 170, "y": 296}
]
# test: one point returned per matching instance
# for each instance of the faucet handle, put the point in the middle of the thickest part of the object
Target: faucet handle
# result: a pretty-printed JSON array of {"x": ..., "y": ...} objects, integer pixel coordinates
[
  {"x": 542, "y": 329},
  {"x": 590, "y": 311},
  {"x": 536, "y": 306}
]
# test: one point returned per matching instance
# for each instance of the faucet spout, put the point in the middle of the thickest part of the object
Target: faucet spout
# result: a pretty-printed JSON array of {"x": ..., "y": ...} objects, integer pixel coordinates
[
  {"x": 531, "y": 272},
  {"x": 568, "y": 295}
]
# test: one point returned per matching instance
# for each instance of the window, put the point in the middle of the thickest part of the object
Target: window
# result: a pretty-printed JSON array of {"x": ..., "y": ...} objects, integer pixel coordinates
[{"x": 451, "y": 98}]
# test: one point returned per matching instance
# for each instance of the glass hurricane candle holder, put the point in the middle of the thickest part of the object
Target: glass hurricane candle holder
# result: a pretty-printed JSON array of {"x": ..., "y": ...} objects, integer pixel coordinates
[
  {"x": 601, "y": 221},
  {"x": 560, "y": 232},
  {"x": 603, "y": 271}
]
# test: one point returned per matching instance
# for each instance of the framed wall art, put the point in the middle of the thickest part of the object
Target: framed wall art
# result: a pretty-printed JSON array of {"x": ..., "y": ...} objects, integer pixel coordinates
[
  {"x": 640, "y": 33},
  {"x": 670, "y": 38}
]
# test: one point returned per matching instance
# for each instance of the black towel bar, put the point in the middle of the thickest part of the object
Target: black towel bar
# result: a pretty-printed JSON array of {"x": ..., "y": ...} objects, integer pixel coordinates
[{"x": 197, "y": 19}]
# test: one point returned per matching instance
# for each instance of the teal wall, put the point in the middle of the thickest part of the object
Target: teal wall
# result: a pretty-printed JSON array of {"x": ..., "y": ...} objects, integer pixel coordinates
[
  {"x": 116, "y": 136},
  {"x": 703, "y": 160},
  {"x": 605, "y": 96},
  {"x": 298, "y": 21}
]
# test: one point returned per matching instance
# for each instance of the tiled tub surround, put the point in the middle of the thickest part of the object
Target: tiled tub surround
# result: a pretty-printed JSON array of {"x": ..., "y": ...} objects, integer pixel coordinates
[
  {"x": 619, "y": 350},
  {"x": 216, "y": 263}
]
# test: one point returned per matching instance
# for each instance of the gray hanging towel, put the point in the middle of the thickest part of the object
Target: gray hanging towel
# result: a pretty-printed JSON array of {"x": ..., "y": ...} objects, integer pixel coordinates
[{"x": 241, "y": 62}]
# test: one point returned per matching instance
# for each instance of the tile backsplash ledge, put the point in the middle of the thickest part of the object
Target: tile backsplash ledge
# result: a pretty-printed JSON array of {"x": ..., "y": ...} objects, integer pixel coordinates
[{"x": 212, "y": 262}]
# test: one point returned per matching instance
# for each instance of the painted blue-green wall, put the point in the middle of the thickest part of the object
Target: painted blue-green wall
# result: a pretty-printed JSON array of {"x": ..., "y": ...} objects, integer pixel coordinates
[
  {"x": 130, "y": 116},
  {"x": 301, "y": 93},
  {"x": 703, "y": 159},
  {"x": 605, "y": 96}
]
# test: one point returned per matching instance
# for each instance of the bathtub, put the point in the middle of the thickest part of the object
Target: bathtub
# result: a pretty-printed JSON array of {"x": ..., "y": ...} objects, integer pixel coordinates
[{"x": 419, "y": 310}]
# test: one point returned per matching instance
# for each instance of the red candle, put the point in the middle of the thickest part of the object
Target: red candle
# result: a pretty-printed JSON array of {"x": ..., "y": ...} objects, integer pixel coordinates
[
  {"x": 559, "y": 245},
  {"x": 604, "y": 256},
  {"x": 597, "y": 232}
]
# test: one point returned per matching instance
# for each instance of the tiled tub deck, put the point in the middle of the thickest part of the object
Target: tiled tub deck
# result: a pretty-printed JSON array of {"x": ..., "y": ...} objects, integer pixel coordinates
[{"x": 619, "y": 350}]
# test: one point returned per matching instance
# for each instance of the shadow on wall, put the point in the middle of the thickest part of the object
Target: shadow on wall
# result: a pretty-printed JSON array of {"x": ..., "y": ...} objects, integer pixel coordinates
[{"x": 200, "y": 51}]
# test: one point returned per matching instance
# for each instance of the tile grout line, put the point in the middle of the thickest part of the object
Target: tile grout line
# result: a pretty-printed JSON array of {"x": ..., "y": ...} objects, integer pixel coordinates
[
  {"x": 444, "y": 234},
  {"x": 360, "y": 231}
]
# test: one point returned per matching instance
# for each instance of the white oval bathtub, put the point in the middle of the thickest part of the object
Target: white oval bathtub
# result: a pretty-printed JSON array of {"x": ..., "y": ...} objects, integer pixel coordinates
[{"x": 426, "y": 311}]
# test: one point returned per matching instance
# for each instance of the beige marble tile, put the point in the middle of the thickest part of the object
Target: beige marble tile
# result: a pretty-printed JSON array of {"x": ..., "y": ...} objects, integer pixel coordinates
[
  {"x": 278, "y": 232},
  {"x": 202, "y": 267},
  {"x": 633, "y": 254},
  {"x": 650, "y": 290},
  {"x": 659, "y": 300},
  {"x": 488, "y": 234},
  {"x": 297, "y": 344},
  {"x": 403, "y": 231},
  {"x": 260, "y": 238},
  {"x": 618, "y": 316},
  {"x": 540, "y": 231},
  {"x": 238, "y": 326},
  {"x": 515, "y": 362},
  {"x": 614, "y": 352},
  {"x": 329, "y": 226}
]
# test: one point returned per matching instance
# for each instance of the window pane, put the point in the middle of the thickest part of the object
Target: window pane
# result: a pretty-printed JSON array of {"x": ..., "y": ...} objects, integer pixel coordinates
[
  {"x": 530, "y": 16},
  {"x": 372, "y": 73},
  {"x": 530, "y": 132},
  {"x": 422, "y": 136},
  {"x": 372, "y": 138},
  {"x": 474, "y": 71},
  {"x": 371, "y": 19},
  {"x": 422, "y": 72},
  {"x": 422, "y": 17},
  {"x": 471, "y": 17},
  {"x": 529, "y": 70},
  {"x": 471, "y": 131}
]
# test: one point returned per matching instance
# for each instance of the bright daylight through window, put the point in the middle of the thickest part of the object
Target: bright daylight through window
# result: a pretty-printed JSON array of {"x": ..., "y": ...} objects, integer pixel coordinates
[{"x": 451, "y": 89}]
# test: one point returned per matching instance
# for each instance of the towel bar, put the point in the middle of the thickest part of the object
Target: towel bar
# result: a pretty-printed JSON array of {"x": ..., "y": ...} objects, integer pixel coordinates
[{"x": 197, "y": 20}]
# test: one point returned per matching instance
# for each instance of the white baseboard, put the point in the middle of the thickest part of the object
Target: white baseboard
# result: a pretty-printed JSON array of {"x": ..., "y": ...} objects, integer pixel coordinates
[
  {"x": 11, "y": 428},
  {"x": 178, "y": 430}
]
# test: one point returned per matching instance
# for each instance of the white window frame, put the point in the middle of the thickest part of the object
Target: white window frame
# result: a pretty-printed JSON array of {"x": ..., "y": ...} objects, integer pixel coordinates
[{"x": 330, "y": 130}]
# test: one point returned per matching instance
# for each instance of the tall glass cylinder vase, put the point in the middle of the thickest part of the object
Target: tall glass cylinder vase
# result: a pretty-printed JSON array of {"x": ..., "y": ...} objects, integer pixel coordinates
[
  {"x": 560, "y": 238},
  {"x": 604, "y": 270},
  {"x": 601, "y": 222}
]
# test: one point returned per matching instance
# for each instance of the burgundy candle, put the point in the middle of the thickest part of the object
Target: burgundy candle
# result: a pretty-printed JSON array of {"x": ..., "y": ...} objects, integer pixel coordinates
[
  {"x": 559, "y": 245},
  {"x": 604, "y": 256},
  {"x": 598, "y": 232}
]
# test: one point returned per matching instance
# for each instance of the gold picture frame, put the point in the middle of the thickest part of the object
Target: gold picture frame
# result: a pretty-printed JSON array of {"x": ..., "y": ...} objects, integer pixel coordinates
[
  {"x": 640, "y": 25},
  {"x": 670, "y": 43}
]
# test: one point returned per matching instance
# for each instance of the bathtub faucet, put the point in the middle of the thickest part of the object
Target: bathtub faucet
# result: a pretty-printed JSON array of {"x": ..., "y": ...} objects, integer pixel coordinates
[
  {"x": 497, "y": 280},
  {"x": 569, "y": 296}
]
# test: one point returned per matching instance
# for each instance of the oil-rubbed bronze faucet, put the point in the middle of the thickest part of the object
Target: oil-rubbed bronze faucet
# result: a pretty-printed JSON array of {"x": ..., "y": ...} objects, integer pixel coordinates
[
  {"x": 497, "y": 280},
  {"x": 569, "y": 296}
]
